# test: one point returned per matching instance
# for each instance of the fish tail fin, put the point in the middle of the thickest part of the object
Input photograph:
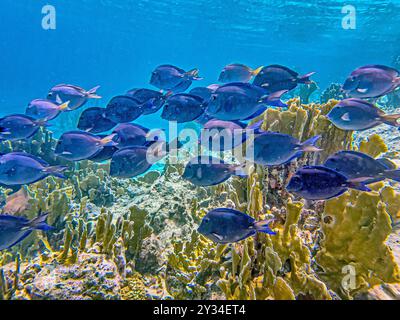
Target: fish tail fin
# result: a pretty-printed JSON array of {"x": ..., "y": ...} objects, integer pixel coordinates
[
  {"x": 256, "y": 71},
  {"x": 310, "y": 145},
  {"x": 396, "y": 82},
  {"x": 64, "y": 106},
  {"x": 193, "y": 74},
  {"x": 56, "y": 171},
  {"x": 39, "y": 223},
  {"x": 109, "y": 141},
  {"x": 391, "y": 119},
  {"x": 264, "y": 227},
  {"x": 92, "y": 94},
  {"x": 359, "y": 184},
  {"x": 306, "y": 78},
  {"x": 241, "y": 170},
  {"x": 274, "y": 99},
  {"x": 393, "y": 175}
]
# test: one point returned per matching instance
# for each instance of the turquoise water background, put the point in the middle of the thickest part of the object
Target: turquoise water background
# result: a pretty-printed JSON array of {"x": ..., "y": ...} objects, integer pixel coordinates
[{"x": 117, "y": 43}]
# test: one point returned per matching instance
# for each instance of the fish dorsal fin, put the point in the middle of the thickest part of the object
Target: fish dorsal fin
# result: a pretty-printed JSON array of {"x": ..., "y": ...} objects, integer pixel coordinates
[
  {"x": 392, "y": 71},
  {"x": 290, "y": 71},
  {"x": 233, "y": 211}
]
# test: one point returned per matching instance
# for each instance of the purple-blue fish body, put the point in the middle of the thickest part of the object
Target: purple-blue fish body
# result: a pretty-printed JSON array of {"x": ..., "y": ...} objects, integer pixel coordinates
[
  {"x": 130, "y": 135},
  {"x": 208, "y": 171},
  {"x": 19, "y": 127},
  {"x": 171, "y": 78},
  {"x": 20, "y": 168},
  {"x": 183, "y": 108},
  {"x": 372, "y": 81},
  {"x": 15, "y": 229},
  {"x": 94, "y": 120},
  {"x": 321, "y": 183},
  {"x": 130, "y": 162},
  {"x": 76, "y": 96},
  {"x": 80, "y": 145},
  {"x": 40, "y": 109},
  {"x": 237, "y": 72},
  {"x": 241, "y": 101},
  {"x": 276, "y": 78},
  {"x": 355, "y": 164},
  {"x": 276, "y": 149},
  {"x": 151, "y": 100},
  {"x": 123, "y": 109},
  {"x": 225, "y": 225},
  {"x": 358, "y": 115}
]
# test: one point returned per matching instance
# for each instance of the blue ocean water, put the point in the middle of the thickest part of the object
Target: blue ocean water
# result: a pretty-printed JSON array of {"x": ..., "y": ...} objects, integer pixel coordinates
[{"x": 117, "y": 43}]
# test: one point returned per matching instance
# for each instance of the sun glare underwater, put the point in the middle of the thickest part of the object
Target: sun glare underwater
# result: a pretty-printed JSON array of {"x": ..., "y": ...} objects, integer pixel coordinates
[{"x": 199, "y": 150}]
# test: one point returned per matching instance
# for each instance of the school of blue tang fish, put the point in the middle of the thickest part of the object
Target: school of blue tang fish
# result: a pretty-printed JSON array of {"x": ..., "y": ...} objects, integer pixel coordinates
[{"x": 242, "y": 95}]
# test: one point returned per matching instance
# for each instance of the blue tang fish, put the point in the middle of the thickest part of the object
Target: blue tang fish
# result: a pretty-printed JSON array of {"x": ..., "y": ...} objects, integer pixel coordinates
[
  {"x": 123, "y": 109},
  {"x": 76, "y": 96},
  {"x": 277, "y": 78},
  {"x": 355, "y": 164},
  {"x": 45, "y": 109},
  {"x": 372, "y": 81},
  {"x": 275, "y": 149},
  {"x": 132, "y": 162},
  {"x": 94, "y": 120},
  {"x": 237, "y": 72},
  {"x": 19, "y": 168},
  {"x": 152, "y": 101},
  {"x": 226, "y": 225},
  {"x": 130, "y": 135},
  {"x": 183, "y": 108},
  {"x": 19, "y": 127},
  {"x": 171, "y": 78},
  {"x": 358, "y": 115},
  {"x": 80, "y": 145},
  {"x": 321, "y": 183},
  {"x": 208, "y": 171},
  {"x": 15, "y": 229},
  {"x": 241, "y": 101}
]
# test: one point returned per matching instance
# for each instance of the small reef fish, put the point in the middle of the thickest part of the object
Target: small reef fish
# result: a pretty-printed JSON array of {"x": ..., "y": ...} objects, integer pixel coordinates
[
  {"x": 131, "y": 162},
  {"x": 151, "y": 100},
  {"x": 241, "y": 101},
  {"x": 226, "y": 225},
  {"x": 17, "y": 203},
  {"x": 183, "y": 108},
  {"x": 219, "y": 135},
  {"x": 19, "y": 168},
  {"x": 277, "y": 78},
  {"x": 321, "y": 183},
  {"x": 94, "y": 120},
  {"x": 45, "y": 109},
  {"x": 358, "y": 115},
  {"x": 19, "y": 127},
  {"x": 208, "y": 171},
  {"x": 105, "y": 154},
  {"x": 275, "y": 149},
  {"x": 355, "y": 164},
  {"x": 237, "y": 72},
  {"x": 130, "y": 135},
  {"x": 123, "y": 109},
  {"x": 15, "y": 229},
  {"x": 372, "y": 81},
  {"x": 76, "y": 96},
  {"x": 171, "y": 78},
  {"x": 80, "y": 145}
]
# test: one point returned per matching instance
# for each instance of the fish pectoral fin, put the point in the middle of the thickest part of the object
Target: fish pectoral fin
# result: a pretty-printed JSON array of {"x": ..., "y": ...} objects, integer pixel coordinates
[
  {"x": 346, "y": 117},
  {"x": 219, "y": 237},
  {"x": 66, "y": 153},
  {"x": 199, "y": 174}
]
